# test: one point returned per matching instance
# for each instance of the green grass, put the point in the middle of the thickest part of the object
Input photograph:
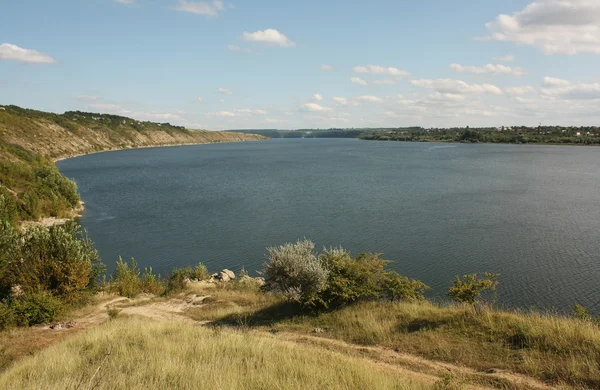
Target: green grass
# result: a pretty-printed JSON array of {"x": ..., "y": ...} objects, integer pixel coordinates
[{"x": 133, "y": 353}]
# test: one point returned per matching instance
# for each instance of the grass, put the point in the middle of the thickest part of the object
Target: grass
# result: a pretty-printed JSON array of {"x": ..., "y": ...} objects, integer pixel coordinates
[
  {"x": 136, "y": 353},
  {"x": 553, "y": 349}
]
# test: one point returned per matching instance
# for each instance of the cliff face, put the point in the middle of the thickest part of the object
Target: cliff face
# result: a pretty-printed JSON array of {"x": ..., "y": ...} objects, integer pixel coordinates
[{"x": 74, "y": 133}]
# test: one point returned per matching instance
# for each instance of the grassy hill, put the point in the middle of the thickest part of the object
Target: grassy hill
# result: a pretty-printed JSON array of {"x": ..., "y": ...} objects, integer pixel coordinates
[{"x": 30, "y": 184}]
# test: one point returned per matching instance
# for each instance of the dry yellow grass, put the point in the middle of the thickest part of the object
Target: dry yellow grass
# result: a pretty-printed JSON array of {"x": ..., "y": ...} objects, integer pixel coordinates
[
  {"x": 134, "y": 353},
  {"x": 556, "y": 350}
]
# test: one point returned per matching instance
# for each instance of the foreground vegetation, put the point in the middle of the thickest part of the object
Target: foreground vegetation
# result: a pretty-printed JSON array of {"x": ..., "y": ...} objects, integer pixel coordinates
[
  {"x": 132, "y": 353},
  {"x": 331, "y": 310}
]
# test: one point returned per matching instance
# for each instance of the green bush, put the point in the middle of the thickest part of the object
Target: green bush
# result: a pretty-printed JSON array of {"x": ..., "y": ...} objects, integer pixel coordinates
[
  {"x": 296, "y": 272},
  {"x": 7, "y": 316},
  {"x": 60, "y": 259},
  {"x": 126, "y": 279},
  {"x": 468, "y": 289},
  {"x": 34, "y": 308},
  {"x": 200, "y": 272},
  {"x": 151, "y": 283},
  {"x": 401, "y": 288},
  {"x": 335, "y": 278},
  {"x": 352, "y": 279},
  {"x": 9, "y": 211}
]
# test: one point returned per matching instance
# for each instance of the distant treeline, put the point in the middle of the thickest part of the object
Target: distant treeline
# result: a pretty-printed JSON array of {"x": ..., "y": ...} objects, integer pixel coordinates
[
  {"x": 514, "y": 135},
  {"x": 319, "y": 133},
  {"x": 584, "y": 135}
]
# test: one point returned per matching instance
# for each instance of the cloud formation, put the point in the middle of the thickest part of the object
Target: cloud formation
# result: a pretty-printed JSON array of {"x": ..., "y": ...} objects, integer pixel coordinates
[
  {"x": 381, "y": 70},
  {"x": 457, "y": 87},
  {"x": 564, "y": 27},
  {"x": 326, "y": 68},
  {"x": 15, "y": 53},
  {"x": 212, "y": 9},
  {"x": 489, "y": 69},
  {"x": 269, "y": 36},
  {"x": 564, "y": 89},
  {"x": 314, "y": 107},
  {"x": 359, "y": 81},
  {"x": 224, "y": 91}
]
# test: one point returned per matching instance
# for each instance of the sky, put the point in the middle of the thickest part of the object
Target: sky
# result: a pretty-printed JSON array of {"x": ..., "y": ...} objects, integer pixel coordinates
[{"x": 306, "y": 64}]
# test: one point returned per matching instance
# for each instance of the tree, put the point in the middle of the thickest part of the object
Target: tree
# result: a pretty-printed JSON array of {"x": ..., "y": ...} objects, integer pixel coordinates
[
  {"x": 468, "y": 289},
  {"x": 401, "y": 288},
  {"x": 352, "y": 279}
]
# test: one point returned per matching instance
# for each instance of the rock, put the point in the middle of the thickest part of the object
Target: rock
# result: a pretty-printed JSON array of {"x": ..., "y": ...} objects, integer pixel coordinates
[
  {"x": 16, "y": 291},
  {"x": 319, "y": 330},
  {"x": 224, "y": 277},
  {"x": 56, "y": 326},
  {"x": 260, "y": 281},
  {"x": 229, "y": 273}
]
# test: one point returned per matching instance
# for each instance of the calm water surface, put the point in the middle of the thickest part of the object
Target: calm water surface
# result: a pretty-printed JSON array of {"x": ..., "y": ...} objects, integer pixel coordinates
[{"x": 531, "y": 213}]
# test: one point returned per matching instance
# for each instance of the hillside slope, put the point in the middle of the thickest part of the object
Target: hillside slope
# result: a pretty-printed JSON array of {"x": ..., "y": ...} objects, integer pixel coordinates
[
  {"x": 31, "y": 187},
  {"x": 74, "y": 132}
]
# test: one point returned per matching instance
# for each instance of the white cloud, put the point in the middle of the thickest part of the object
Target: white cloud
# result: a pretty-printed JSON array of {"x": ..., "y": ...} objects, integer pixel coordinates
[
  {"x": 357, "y": 101},
  {"x": 381, "y": 70},
  {"x": 224, "y": 91},
  {"x": 506, "y": 58},
  {"x": 28, "y": 56},
  {"x": 370, "y": 99},
  {"x": 314, "y": 107},
  {"x": 522, "y": 90},
  {"x": 359, "y": 81},
  {"x": 115, "y": 109},
  {"x": 199, "y": 100},
  {"x": 238, "y": 48},
  {"x": 249, "y": 111},
  {"x": 317, "y": 96},
  {"x": 555, "y": 26},
  {"x": 563, "y": 89},
  {"x": 205, "y": 8},
  {"x": 225, "y": 114},
  {"x": 125, "y": 2},
  {"x": 269, "y": 36},
  {"x": 326, "y": 68},
  {"x": 88, "y": 98},
  {"x": 457, "y": 87},
  {"x": 488, "y": 69},
  {"x": 386, "y": 82},
  {"x": 551, "y": 82}
]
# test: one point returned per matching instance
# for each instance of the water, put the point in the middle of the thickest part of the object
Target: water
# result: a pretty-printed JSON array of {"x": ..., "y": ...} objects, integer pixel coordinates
[{"x": 531, "y": 213}]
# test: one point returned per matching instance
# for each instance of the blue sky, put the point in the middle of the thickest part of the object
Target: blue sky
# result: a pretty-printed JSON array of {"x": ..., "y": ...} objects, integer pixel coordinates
[{"x": 275, "y": 64}]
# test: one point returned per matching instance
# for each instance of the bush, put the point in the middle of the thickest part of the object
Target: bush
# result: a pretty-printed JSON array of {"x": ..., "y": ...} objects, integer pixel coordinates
[
  {"x": 468, "y": 289},
  {"x": 151, "y": 283},
  {"x": 295, "y": 271},
  {"x": 36, "y": 308},
  {"x": 126, "y": 279},
  {"x": 60, "y": 260},
  {"x": 335, "y": 278},
  {"x": 7, "y": 316},
  {"x": 401, "y": 288},
  {"x": 352, "y": 279}
]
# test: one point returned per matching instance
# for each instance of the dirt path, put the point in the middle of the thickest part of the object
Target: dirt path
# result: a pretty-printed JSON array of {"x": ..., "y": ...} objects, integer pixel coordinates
[{"x": 421, "y": 365}]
